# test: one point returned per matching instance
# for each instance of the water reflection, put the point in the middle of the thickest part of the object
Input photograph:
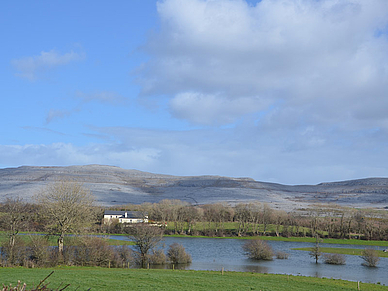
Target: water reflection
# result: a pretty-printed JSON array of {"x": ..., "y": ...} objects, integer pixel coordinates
[{"x": 215, "y": 254}]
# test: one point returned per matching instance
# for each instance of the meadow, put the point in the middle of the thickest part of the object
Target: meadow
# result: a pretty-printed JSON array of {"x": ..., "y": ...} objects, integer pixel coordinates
[{"x": 83, "y": 278}]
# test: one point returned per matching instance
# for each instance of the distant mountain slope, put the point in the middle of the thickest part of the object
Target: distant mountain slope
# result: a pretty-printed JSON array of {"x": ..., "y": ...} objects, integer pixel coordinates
[{"x": 113, "y": 185}]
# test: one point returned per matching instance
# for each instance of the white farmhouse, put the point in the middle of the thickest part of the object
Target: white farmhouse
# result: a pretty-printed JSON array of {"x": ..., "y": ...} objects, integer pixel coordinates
[{"x": 125, "y": 216}]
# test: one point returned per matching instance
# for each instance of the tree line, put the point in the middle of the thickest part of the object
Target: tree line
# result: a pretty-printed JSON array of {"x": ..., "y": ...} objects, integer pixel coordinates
[
  {"x": 255, "y": 218},
  {"x": 57, "y": 214}
]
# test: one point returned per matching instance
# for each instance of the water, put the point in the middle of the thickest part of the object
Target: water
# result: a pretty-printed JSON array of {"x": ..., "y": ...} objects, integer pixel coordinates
[{"x": 214, "y": 254}]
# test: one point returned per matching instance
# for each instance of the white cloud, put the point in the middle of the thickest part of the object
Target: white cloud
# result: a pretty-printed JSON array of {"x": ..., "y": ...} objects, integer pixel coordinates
[
  {"x": 69, "y": 154},
  {"x": 56, "y": 114},
  {"x": 108, "y": 97},
  {"x": 213, "y": 109},
  {"x": 323, "y": 59},
  {"x": 31, "y": 68}
]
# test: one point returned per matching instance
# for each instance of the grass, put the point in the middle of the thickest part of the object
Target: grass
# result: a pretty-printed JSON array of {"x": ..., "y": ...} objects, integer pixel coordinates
[
  {"x": 300, "y": 239},
  {"x": 141, "y": 279},
  {"x": 233, "y": 226},
  {"x": 355, "y": 252}
]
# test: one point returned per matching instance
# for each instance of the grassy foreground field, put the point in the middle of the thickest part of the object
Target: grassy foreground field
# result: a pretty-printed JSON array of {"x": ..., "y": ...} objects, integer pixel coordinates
[{"x": 141, "y": 279}]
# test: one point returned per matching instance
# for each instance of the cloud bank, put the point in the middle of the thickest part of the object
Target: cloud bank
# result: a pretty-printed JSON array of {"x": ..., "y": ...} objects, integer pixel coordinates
[{"x": 322, "y": 61}]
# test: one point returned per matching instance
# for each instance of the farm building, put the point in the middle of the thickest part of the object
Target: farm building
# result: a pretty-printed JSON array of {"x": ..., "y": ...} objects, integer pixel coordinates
[{"x": 125, "y": 216}]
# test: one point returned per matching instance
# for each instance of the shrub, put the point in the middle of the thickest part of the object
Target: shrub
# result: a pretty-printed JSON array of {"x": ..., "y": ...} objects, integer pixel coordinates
[
  {"x": 282, "y": 255},
  {"x": 124, "y": 257},
  {"x": 258, "y": 250},
  {"x": 334, "y": 259},
  {"x": 157, "y": 257},
  {"x": 177, "y": 254},
  {"x": 90, "y": 251},
  {"x": 38, "y": 249},
  {"x": 13, "y": 256},
  {"x": 370, "y": 257}
]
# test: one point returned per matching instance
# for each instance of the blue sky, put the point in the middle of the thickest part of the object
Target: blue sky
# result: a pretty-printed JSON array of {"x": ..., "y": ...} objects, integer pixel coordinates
[{"x": 287, "y": 91}]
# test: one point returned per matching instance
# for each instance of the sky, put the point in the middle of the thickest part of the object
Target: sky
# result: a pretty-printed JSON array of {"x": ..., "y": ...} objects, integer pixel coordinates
[{"x": 285, "y": 91}]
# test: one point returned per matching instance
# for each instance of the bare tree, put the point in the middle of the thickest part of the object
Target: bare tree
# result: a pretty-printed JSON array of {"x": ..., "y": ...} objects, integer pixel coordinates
[
  {"x": 266, "y": 216},
  {"x": 68, "y": 205},
  {"x": 242, "y": 217},
  {"x": 316, "y": 250},
  {"x": 146, "y": 238},
  {"x": 191, "y": 216},
  {"x": 13, "y": 219}
]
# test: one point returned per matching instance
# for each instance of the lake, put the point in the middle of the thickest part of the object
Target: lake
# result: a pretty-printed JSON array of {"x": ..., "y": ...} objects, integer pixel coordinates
[{"x": 214, "y": 254}]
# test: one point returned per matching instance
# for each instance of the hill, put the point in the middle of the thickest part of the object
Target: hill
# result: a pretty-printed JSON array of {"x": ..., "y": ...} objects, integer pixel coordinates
[{"x": 113, "y": 185}]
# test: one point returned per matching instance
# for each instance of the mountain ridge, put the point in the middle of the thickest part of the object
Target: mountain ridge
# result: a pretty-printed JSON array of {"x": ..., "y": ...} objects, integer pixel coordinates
[{"x": 113, "y": 185}]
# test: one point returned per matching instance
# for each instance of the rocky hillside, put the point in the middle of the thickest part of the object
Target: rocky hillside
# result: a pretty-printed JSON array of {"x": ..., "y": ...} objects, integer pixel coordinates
[{"x": 113, "y": 185}]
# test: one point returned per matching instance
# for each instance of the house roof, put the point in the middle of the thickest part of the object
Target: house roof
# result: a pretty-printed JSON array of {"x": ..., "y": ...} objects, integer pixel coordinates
[{"x": 130, "y": 214}]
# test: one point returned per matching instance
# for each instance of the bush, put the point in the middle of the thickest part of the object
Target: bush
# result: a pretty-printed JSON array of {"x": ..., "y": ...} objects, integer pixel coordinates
[
  {"x": 282, "y": 255},
  {"x": 334, "y": 259},
  {"x": 124, "y": 257},
  {"x": 177, "y": 254},
  {"x": 13, "y": 256},
  {"x": 90, "y": 251},
  {"x": 38, "y": 249},
  {"x": 370, "y": 257},
  {"x": 258, "y": 250},
  {"x": 157, "y": 257}
]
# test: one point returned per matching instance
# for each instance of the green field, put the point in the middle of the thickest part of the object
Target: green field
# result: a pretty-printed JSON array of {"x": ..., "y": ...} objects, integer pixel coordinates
[
  {"x": 141, "y": 279},
  {"x": 354, "y": 252},
  {"x": 301, "y": 239}
]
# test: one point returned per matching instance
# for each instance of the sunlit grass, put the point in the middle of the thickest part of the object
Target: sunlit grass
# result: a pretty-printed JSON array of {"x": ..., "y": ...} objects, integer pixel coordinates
[{"x": 141, "y": 279}]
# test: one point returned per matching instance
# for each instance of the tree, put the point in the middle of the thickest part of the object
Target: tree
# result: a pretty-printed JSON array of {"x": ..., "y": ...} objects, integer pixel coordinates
[
  {"x": 316, "y": 250},
  {"x": 69, "y": 207},
  {"x": 146, "y": 238},
  {"x": 13, "y": 220},
  {"x": 266, "y": 216}
]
